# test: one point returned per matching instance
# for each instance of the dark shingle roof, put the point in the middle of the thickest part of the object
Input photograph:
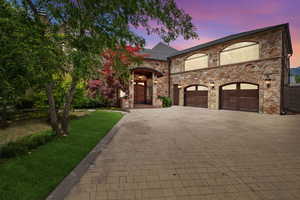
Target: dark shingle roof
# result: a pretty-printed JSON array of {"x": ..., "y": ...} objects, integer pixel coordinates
[
  {"x": 235, "y": 36},
  {"x": 160, "y": 51}
]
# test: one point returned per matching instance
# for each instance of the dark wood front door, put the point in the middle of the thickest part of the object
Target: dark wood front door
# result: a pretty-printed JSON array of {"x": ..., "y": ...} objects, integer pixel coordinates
[
  {"x": 240, "y": 96},
  {"x": 175, "y": 94},
  {"x": 196, "y": 96},
  {"x": 140, "y": 93}
]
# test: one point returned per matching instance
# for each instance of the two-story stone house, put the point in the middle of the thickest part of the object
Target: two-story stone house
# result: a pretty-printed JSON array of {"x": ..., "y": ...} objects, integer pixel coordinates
[{"x": 245, "y": 71}]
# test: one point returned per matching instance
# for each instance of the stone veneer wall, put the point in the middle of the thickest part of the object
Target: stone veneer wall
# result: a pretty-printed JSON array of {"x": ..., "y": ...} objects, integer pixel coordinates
[
  {"x": 253, "y": 72},
  {"x": 162, "y": 82}
]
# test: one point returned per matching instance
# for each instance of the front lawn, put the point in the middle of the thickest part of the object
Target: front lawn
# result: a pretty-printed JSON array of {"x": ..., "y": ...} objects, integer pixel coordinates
[{"x": 34, "y": 176}]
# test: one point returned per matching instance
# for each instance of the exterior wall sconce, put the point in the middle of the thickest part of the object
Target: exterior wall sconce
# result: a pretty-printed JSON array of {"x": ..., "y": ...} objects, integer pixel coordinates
[
  {"x": 268, "y": 81},
  {"x": 212, "y": 84},
  {"x": 179, "y": 86},
  {"x": 155, "y": 81}
]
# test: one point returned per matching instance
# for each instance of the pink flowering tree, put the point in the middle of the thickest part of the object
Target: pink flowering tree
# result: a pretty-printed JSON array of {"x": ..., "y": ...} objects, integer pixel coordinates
[{"x": 115, "y": 73}]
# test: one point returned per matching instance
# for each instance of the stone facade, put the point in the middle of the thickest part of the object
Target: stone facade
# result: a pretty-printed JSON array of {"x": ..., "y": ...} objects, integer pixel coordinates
[
  {"x": 270, "y": 62},
  {"x": 159, "y": 85},
  {"x": 162, "y": 82},
  {"x": 273, "y": 63}
]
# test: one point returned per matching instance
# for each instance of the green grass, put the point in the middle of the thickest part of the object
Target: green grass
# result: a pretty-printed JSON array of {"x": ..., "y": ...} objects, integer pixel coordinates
[{"x": 34, "y": 176}]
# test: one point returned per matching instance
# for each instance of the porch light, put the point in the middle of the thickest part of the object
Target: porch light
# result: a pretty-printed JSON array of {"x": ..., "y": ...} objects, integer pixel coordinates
[
  {"x": 179, "y": 86},
  {"x": 155, "y": 81},
  {"x": 268, "y": 81},
  {"x": 212, "y": 84}
]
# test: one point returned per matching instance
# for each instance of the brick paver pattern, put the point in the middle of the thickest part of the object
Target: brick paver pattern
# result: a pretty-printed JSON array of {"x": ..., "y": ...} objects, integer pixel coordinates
[{"x": 193, "y": 154}]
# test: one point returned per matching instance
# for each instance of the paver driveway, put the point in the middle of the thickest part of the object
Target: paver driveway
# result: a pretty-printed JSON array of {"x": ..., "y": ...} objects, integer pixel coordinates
[{"x": 193, "y": 153}]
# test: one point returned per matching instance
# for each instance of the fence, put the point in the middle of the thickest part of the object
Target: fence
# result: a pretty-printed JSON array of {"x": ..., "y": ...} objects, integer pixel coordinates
[{"x": 292, "y": 98}]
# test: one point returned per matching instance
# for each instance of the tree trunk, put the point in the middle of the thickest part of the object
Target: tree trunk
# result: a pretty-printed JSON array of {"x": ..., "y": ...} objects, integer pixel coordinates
[
  {"x": 67, "y": 106},
  {"x": 54, "y": 122}
]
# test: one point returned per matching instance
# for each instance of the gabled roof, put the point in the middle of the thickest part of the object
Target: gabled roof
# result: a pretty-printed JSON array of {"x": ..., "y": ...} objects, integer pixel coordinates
[
  {"x": 236, "y": 36},
  {"x": 160, "y": 51}
]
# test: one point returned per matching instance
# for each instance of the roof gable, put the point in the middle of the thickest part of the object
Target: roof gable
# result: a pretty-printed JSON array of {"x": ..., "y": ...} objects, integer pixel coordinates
[
  {"x": 160, "y": 51},
  {"x": 161, "y": 47}
]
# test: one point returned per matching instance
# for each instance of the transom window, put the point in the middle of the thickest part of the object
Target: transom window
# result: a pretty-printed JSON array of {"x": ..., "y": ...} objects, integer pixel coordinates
[
  {"x": 246, "y": 86},
  {"x": 196, "y": 61},
  {"x": 241, "y": 86},
  {"x": 196, "y": 88},
  {"x": 239, "y": 52},
  {"x": 191, "y": 88}
]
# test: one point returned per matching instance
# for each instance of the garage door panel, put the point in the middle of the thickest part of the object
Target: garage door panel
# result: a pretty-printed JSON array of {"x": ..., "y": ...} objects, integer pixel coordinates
[
  {"x": 249, "y": 93},
  {"x": 248, "y": 104},
  {"x": 229, "y": 99},
  {"x": 239, "y": 99},
  {"x": 249, "y": 100},
  {"x": 196, "y": 98}
]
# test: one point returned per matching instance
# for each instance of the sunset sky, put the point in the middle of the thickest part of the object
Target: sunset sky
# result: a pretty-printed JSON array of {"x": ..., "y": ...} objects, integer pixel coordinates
[{"x": 218, "y": 18}]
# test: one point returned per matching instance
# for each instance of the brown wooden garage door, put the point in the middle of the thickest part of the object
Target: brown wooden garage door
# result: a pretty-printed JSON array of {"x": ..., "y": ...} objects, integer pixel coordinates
[
  {"x": 195, "y": 95},
  {"x": 239, "y": 96}
]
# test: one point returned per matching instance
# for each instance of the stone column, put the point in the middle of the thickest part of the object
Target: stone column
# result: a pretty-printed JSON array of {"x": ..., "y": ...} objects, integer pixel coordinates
[
  {"x": 154, "y": 90},
  {"x": 131, "y": 91},
  {"x": 213, "y": 97},
  {"x": 181, "y": 96}
]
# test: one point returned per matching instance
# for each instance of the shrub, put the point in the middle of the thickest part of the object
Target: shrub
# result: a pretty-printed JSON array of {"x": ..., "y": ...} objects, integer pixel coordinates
[
  {"x": 167, "y": 101},
  {"x": 25, "y": 144},
  {"x": 83, "y": 100},
  {"x": 25, "y": 103}
]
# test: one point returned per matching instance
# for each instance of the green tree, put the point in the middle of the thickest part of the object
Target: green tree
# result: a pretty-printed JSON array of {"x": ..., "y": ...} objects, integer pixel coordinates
[
  {"x": 88, "y": 27},
  {"x": 297, "y": 78},
  {"x": 21, "y": 47}
]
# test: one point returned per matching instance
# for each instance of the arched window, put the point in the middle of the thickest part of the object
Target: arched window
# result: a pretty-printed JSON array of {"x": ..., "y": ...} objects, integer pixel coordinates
[
  {"x": 239, "y": 52},
  {"x": 196, "y": 61}
]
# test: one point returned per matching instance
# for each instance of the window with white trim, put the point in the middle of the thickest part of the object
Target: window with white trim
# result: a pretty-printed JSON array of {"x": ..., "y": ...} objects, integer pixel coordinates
[
  {"x": 239, "y": 52},
  {"x": 196, "y": 61}
]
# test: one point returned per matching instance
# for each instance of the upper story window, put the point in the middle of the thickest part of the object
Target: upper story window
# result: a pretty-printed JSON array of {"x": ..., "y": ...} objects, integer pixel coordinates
[
  {"x": 239, "y": 52},
  {"x": 196, "y": 61}
]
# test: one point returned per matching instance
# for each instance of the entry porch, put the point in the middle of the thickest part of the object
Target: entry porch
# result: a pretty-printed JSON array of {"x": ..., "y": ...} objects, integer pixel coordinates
[{"x": 143, "y": 89}]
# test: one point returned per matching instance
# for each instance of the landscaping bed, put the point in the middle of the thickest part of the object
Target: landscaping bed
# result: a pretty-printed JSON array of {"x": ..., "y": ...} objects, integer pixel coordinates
[{"x": 34, "y": 175}]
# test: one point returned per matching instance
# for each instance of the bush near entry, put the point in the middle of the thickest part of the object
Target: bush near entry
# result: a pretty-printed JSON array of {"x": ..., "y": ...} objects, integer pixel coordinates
[{"x": 167, "y": 101}]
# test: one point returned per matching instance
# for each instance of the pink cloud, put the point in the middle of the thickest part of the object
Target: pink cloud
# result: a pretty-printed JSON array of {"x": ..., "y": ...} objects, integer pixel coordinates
[
  {"x": 295, "y": 59},
  {"x": 215, "y": 19},
  {"x": 181, "y": 44},
  {"x": 233, "y": 10}
]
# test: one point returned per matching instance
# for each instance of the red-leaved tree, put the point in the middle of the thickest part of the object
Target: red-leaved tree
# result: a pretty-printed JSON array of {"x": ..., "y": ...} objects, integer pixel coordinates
[{"x": 115, "y": 73}]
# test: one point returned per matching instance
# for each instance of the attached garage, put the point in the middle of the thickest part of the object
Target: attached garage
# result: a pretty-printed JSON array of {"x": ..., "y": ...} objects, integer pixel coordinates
[
  {"x": 239, "y": 96},
  {"x": 196, "y": 95}
]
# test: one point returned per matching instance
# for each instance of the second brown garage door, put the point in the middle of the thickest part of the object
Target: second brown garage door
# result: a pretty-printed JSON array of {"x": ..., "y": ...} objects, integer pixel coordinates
[
  {"x": 196, "y": 95},
  {"x": 239, "y": 96}
]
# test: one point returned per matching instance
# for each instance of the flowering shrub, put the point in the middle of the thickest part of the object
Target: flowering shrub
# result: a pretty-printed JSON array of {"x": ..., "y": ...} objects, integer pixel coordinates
[{"x": 115, "y": 73}]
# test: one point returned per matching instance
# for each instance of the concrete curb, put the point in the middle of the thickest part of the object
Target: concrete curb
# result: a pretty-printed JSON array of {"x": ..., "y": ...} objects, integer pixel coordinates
[{"x": 63, "y": 189}]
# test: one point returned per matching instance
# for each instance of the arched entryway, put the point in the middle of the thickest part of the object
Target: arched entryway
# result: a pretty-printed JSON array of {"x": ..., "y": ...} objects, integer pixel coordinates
[
  {"x": 145, "y": 86},
  {"x": 196, "y": 95},
  {"x": 239, "y": 96}
]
